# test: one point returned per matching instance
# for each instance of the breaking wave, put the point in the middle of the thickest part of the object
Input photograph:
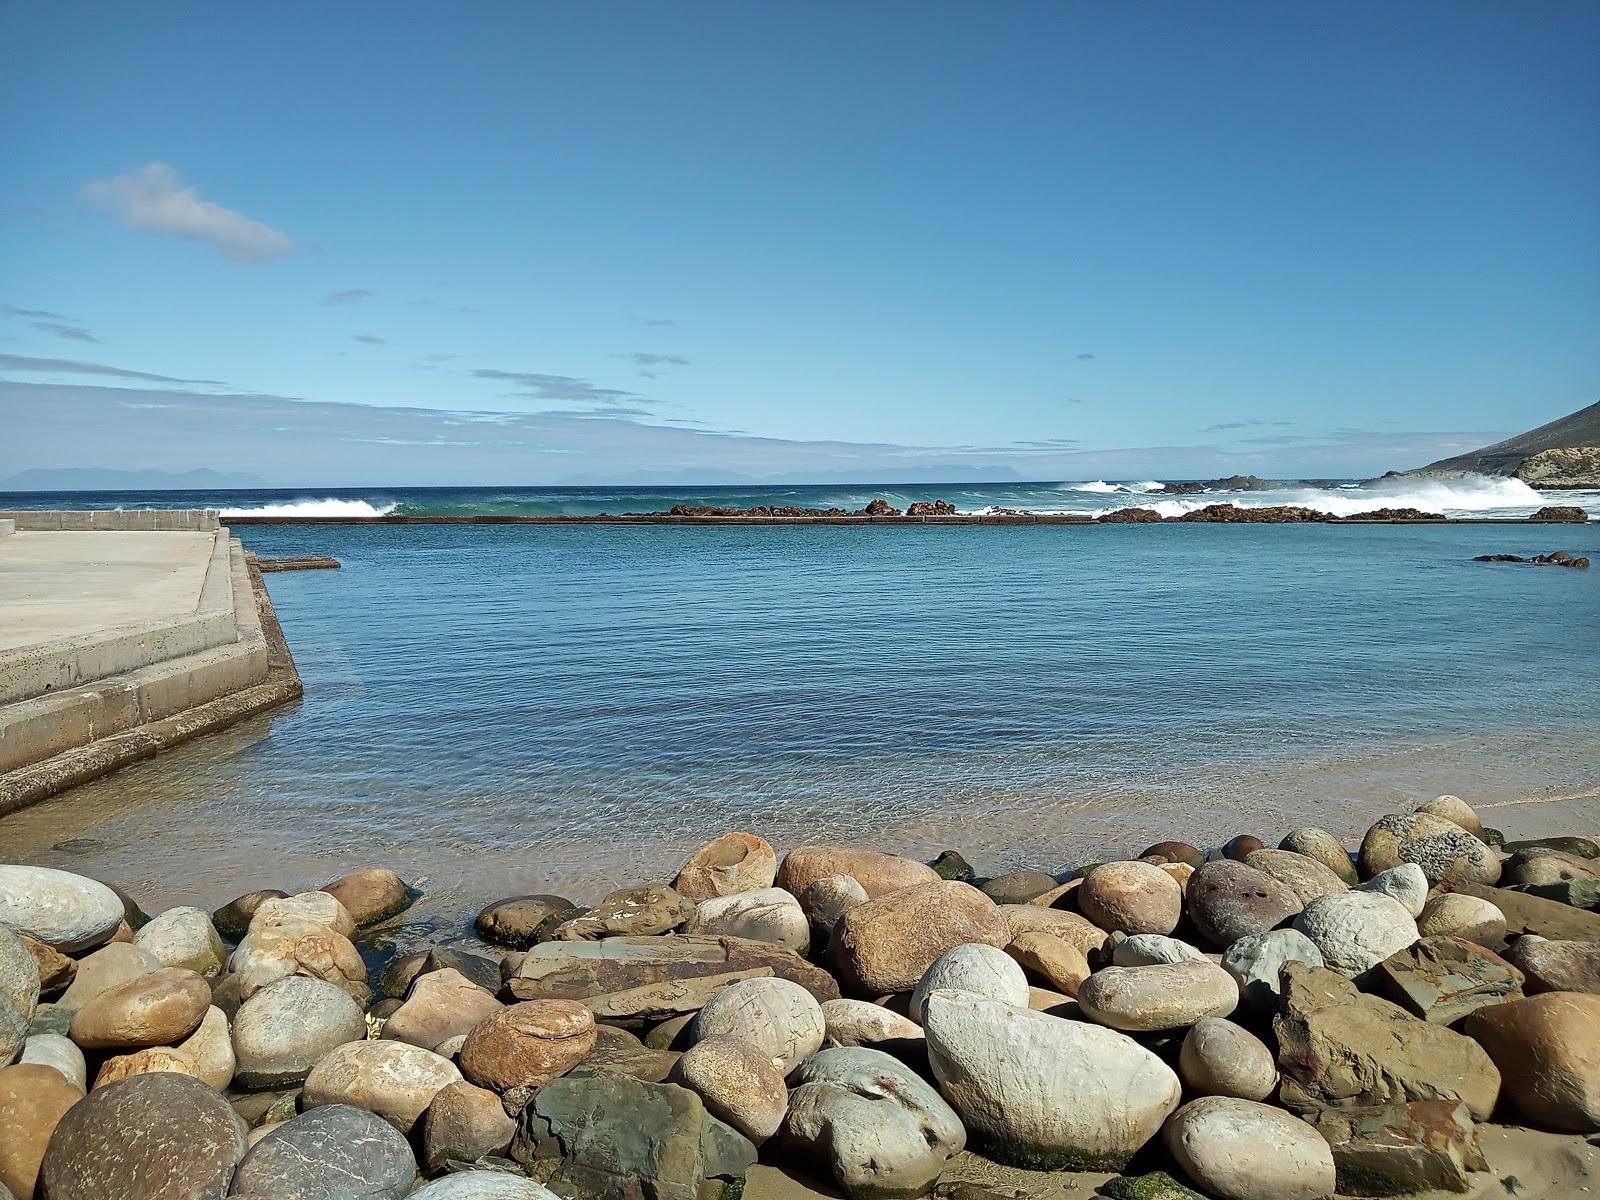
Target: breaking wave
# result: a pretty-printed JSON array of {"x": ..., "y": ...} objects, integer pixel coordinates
[{"x": 314, "y": 508}]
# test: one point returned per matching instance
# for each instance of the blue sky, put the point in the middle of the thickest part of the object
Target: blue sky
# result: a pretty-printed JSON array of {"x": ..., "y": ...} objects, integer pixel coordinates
[{"x": 1071, "y": 239}]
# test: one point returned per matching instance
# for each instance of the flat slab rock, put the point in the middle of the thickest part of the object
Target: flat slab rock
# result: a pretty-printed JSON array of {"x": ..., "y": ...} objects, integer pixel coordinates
[
  {"x": 1402, "y": 1148},
  {"x": 1442, "y": 979},
  {"x": 1533, "y": 914}
]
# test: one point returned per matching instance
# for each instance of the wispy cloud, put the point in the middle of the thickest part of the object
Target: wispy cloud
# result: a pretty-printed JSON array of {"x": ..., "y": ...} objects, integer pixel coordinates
[
  {"x": 70, "y": 333},
  {"x": 1231, "y": 426},
  {"x": 370, "y": 339},
  {"x": 653, "y": 322},
  {"x": 1083, "y": 358},
  {"x": 642, "y": 358},
  {"x": 348, "y": 296},
  {"x": 554, "y": 387},
  {"x": 69, "y": 366},
  {"x": 11, "y": 310},
  {"x": 153, "y": 198}
]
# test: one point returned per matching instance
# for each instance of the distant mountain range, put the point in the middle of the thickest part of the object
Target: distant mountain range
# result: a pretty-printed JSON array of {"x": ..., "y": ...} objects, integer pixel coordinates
[
  {"x": 1564, "y": 453},
  {"x": 105, "y": 479}
]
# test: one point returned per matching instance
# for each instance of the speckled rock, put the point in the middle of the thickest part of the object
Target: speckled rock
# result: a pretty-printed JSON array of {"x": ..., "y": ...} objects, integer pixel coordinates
[
  {"x": 876, "y": 872},
  {"x": 972, "y": 968},
  {"x": 1304, "y": 876},
  {"x": 33, "y": 1099},
  {"x": 871, "y": 1123},
  {"x": 1055, "y": 961},
  {"x": 1455, "y": 810},
  {"x": 58, "y": 908},
  {"x": 1219, "y": 1058},
  {"x": 778, "y": 1018},
  {"x": 337, "y": 1152},
  {"x": 740, "y": 1085},
  {"x": 734, "y": 862},
  {"x": 863, "y": 1023},
  {"x": 1131, "y": 897},
  {"x": 764, "y": 915},
  {"x": 464, "y": 1123},
  {"x": 483, "y": 1185},
  {"x": 441, "y": 1005},
  {"x": 1440, "y": 847},
  {"x": 281, "y": 1032},
  {"x": 526, "y": 1045},
  {"x": 1151, "y": 949},
  {"x": 1549, "y": 1056},
  {"x": 628, "y": 912},
  {"x": 146, "y": 1062},
  {"x": 1455, "y": 915},
  {"x": 1241, "y": 1150},
  {"x": 886, "y": 944},
  {"x": 1356, "y": 931},
  {"x": 1324, "y": 847},
  {"x": 1228, "y": 900},
  {"x": 184, "y": 937},
  {"x": 1406, "y": 883},
  {"x": 518, "y": 922},
  {"x": 395, "y": 1080},
  {"x": 158, "y": 1009},
  {"x": 153, "y": 1136},
  {"x": 1164, "y": 996},
  {"x": 1556, "y": 966}
]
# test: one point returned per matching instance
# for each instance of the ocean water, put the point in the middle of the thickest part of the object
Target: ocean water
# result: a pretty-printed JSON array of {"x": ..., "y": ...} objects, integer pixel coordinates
[{"x": 503, "y": 709}]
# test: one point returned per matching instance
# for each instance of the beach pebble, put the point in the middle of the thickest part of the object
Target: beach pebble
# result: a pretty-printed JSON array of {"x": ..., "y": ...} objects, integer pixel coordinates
[
  {"x": 518, "y": 922},
  {"x": 739, "y": 1084},
  {"x": 1324, "y": 847},
  {"x": 60, "y": 909},
  {"x": 337, "y": 1152},
  {"x": 886, "y": 944},
  {"x": 184, "y": 937},
  {"x": 281, "y": 1032},
  {"x": 863, "y": 1023},
  {"x": 1054, "y": 960},
  {"x": 441, "y": 1005},
  {"x": 1256, "y": 963},
  {"x": 876, "y": 872},
  {"x": 1456, "y": 915},
  {"x": 1548, "y": 1054},
  {"x": 233, "y": 918},
  {"x": 145, "y": 1062},
  {"x": 1219, "y": 1058},
  {"x": 1455, "y": 810},
  {"x": 526, "y": 1045},
  {"x": 395, "y": 1080},
  {"x": 1131, "y": 897},
  {"x": 61, "y": 1053},
  {"x": 1151, "y": 949},
  {"x": 285, "y": 946},
  {"x": 972, "y": 968},
  {"x": 1549, "y": 965},
  {"x": 1175, "y": 852},
  {"x": 1356, "y": 931},
  {"x": 1304, "y": 876},
  {"x": 1164, "y": 996},
  {"x": 765, "y": 915},
  {"x": 732, "y": 863},
  {"x": 779, "y": 1018},
  {"x": 33, "y": 1099},
  {"x": 464, "y": 1123},
  {"x": 1088, "y": 938},
  {"x": 317, "y": 908},
  {"x": 1229, "y": 900},
  {"x": 871, "y": 1122},
  {"x": 211, "y": 1048},
  {"x": 628, "y": 912},
  {"x": 1241, "y": 1150},
  {"x": 828, "y": 899},
  {"x": 152, "y": 1137},
  {"x": 1406, "y": 883},
  {"x": 1440, "y": 847},
  {"x": 483, "y": 1185},
  {"x": 1041, "y": 1092},
  {"x": 157, "y": 1009},
  {"x": 1018, "y": 887}
]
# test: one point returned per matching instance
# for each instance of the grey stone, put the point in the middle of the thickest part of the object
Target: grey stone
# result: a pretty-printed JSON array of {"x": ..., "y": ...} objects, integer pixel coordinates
[
  {"x": 777, "y": 1016},
  {"x": 333, "y": 1153},
  {"x": 282, "y": 1031},
  {"x": 1407, "y": 883},
  {"x": 1152, "y": 949},
  {"x": 1228, "y": 900},
  {"x": 1442, "y": 979},
  {"x": 1303, "y": 875},
  {"x": 1018, "y": 887},
  {"x": 1356, "y": 930},
  {"x": 976, "y": 968},
  {"x": 184, "y": 937},
  {"x": 1256, "y": 962},
  {"x": 54, "y": 1050},
  {"x": 1242, "y": 1150},
  {"x": 483, "y": 1185},
  {"x": 1219, "y": 1058},
  {"x": 19, "y": 974},
  {"x": 1324, "y": 847},
  {"x": 58, "y": 908}
]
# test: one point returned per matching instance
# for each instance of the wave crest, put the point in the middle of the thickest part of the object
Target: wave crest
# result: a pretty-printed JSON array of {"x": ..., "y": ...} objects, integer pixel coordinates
[{"x": 314, "y": 508}]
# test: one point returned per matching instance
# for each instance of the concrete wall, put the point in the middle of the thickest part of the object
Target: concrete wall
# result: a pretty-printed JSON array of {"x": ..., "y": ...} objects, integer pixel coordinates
[{"x": 186, "y": 519}]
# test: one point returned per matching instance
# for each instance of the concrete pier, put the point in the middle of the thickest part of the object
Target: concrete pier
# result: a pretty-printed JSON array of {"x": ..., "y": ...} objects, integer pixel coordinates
[{"x": 122, "y": 633}]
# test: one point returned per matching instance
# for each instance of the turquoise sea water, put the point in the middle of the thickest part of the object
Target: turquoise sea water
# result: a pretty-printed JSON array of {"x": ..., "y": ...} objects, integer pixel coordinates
[{"x": 495, "y": 709}]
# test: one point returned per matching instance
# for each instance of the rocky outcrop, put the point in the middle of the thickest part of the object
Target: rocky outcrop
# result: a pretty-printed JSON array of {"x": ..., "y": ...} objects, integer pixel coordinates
[
  {"x": 1556, "y": 558},
  {"x": 1566, "y": 467}
]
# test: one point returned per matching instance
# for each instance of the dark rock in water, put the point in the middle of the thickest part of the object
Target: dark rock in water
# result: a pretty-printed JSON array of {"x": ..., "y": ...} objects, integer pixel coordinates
[
  {"x": 1560, "y": 512},
  {"x": 1394, "y": 514},
  {"x": 1129, "y": 516},
  {"x": 401, "y": 973},
  {"x": 1442, "y": 979},
  {"x": 518, "y": 922},
  {"x": 372, "y": 894},
  {"x": 878, "y": 508},
  {"x": 335, "y": 1152},
  {"x": 1176, "y": 852},
  {"x": 1397, "y": 1149},
  {"x": 233, "y": 918},
  {"x": 874, "y": 508},
  {"x": 611, "y": 1137},
  {"x": 1018, "y": 887},
  {"x": 135, "y": 916},
  {"x": 1533, "y": 914},
  {"x": 935, "y": 508},
  {"x": 1242, "y": 846},
  {"x": 149, "y": 1137},
  {"x": 1276, "y": 514},
  {"x": 1492, "y": 837},
  {"x": 950, "y": 865},
  {"x": 1556, "y": 558}
]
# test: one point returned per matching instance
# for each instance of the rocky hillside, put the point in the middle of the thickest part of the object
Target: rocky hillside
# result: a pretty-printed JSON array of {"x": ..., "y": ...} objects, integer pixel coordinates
[{"x": 1564, "y": 453}]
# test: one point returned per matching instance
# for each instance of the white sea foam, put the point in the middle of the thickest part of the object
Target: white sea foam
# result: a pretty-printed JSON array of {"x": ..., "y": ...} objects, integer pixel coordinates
[
  {"x": 313, "y": 508},
  {"x": 1100, "y": 485}
]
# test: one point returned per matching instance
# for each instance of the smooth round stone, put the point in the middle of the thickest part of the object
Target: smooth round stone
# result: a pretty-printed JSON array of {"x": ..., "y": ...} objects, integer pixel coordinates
[
  {"x": 19, "y": 974},
  {"x": 1131, "y": 897},
  {"x": 1455, "y": 914},
  {"x": 1543, "y": 867},
  {"x": 211, "y": 1047},
  {"x": 1455, "y": 810},
  {"x": 1304, "y": 876},
  {"x": 1042, "y": 1092},
  {"x": 1256, "y": 962},
  {"x": 184, "y": 937},
  {"x": 1241, "y": 1150},
  {"x": 146, "y": 1062},
  {"x": 518, "y": 922},
  {"x": 1324, "y": 847},
  {"x": 280, "y": 1032},
  {"x": 878, "y": 873},
  {"x": 888, "y": 943},
  {"x": 158, "y": 1009},
  {"x": 778, "y": 1017},
  {"x": 61, "y": 1053},
  {"x": 1018, "y": 887},
  {"x": 33, "y": 1099},
  {"x": 464, "y": 1123},
  {"x": 973, "y": 968},
  {"x": 151, "y": 1137},
  {"x": 1356, "y": 931},
  {"x": 371, "y": 894},
  {"x": 739, "y": 1085},
  {"x": 1220, "y": 1058},
  {"x": 317, "y": 908},
  {"x": 528, "y": 1044},
  {"x": 1176, "y": 852},
  {"x": 1152, "y": 949},
  {"x": 1055, "y": 960},
  {"x": 1440, "y": 847},
  {"x": 1229, "y": 900},
  {"x": 1165, "y": 996},
  {"x": 828, "y": 899},
  {"x": 395, "y": 1080},
  {"x": 233, "y": 918},
  {"x": 1551, "y": 965},
  {"x": 1548, "y": 1056},
  {"x": 337, "y": 1152},
  {"x": 58, "y": 908},
  {"x": 863, "y": 1023},
  {"x": 1407, "y": 883},
  {"x": 13, "y": 1031},
  {"x": 764, "y": 915},
  {"x": 733, "y": 863},
  {"x": 483, "y": 1185},
  {"x": 1083, "y": 933},
  {"x": 441, "y": 1005},
  {"x": 105, "y": 968}
]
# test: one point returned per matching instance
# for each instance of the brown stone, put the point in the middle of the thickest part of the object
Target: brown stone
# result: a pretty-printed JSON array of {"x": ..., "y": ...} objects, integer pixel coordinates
[
  {"x": 463, "y": 1124},
  {"x": 1303, "y": 875},
  {"x": 105, "y": 968},
  {"x": 1548, "y": 1050},
  {"x": 1018, "y": 887},
  {"x": 1535, "y": 867},
  {"x": 1228, "y": 900},
  {"x": 1443, "y": 849},
  {"x": 1456, "y": 810},
  {"x": 1241, "y": 846},
  {"x": 440, "y": 1006},
  {"x": 1442, "y": 979},
  {"x": 1131, "y": 897},
  {"x": 1063, "y": 896},
  {"x": 395, "y": 1080},
  {"x": 233, "y": 918},
  {"x": 734, "y": 862},
  {"x": 1087, "y": 937},
  {"x": 1056, "y": 961},
  {"x": 1556, "y": 966},
  {"x": 144, "y": 1062},
  {"x": 630, "y": 912},
  {"x": 33, "y": 1099},
  {"x": 528, "y": 1044},
  {"x": 521, "y": 921},
  {"x": 738, "y": 1085},
  {"x": 1532, "y": 914},
  {"x": 875, "y": 871},
  {"x": 887, "y": 943},
  {"x": 1175, "y": 852},
  {"x": 1398, "y": 1149},
  {"x": 157, "y": 1009},
  {"x": 620, "y": 1051},
  {"x": 56, "y": 970},
  {"x": 371, "y": 894}
]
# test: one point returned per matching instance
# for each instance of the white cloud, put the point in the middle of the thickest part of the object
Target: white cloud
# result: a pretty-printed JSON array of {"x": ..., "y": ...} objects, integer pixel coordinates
[{"x": 153, "y": 197}]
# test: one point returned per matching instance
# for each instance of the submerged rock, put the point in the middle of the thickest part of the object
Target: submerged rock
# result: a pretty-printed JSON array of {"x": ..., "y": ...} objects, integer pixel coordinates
[{"x": 518, "y": 922}]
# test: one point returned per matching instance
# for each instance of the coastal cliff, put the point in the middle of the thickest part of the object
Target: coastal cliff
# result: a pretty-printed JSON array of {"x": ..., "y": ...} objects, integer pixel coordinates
[{"x": 1562, "y": 454}]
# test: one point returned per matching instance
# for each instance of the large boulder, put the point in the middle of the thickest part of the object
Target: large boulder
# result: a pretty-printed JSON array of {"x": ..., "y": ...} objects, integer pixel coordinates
[
  {"x": 1397, "y": 1149},
  {"x": 1228, "y": 900},
  {"x": 886, "y": 944},
  {"x": 1555, "y": 966},
  {"x": 777, "y": 1017},
  {"x": 1242, "y": 1150},
  {"x": 1256, "y": 964},
  {"x": 281, "y": 1032},
  {"x": 739, "y": 1083},
  {"x": 629, "y": 912},
  {"x": 284, "y": 945},
  {"x": 764, "y": 915},
  {"x": 527, "y": 1045},
  {"x": 1355, "y": 931},
  {"x": 1042, "y": 1092},
  {"x": 1439, "y": 846},
  {"x": 518, "y": 922},
  {"x": 395, "y": 1080},
  {"x": 1442, "y": 979},
  {"x": 973, "y": 967},
  {"x": 876, "y": 872},
  {"x": 1131, "y": 897},
  {"x": 337, "y": 1152},
  {"x": 1324, "y": 847},
  {"x": 1219, "y": 1058},
  {"x": 1467, "y": 917},
  {"x": 879, "y": 1131},
  {"x": 105, "y": 968},
  {"x": 1165, "y": 996},
  {"x": 441, "y": 1005},
  {"x": 158, "y": 1009},
  {"x": 1301, "y": 874},
  {"x": 371, "y": 894},
  {"x": 184, "y": 937},
  {"x": 1338, "y": 1047},
  {"x": 151, "y": 1137},
  {"x": 732, "y": 863},
  {"x": 1534, "y": 914},
  {"x": 1548, "y": 1050},
  {"x": 58, "y": 908},
  {"x": 33, "y": 1099},
  {"x": 611, "y": 1137},
  {"x": 464, "y": 1123}
]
